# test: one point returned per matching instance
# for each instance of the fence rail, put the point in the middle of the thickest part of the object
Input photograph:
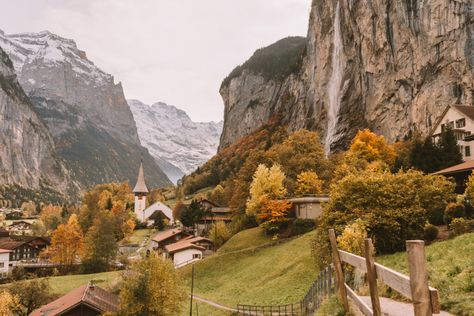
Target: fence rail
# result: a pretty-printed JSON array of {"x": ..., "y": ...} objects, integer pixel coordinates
[
  {"x": 415, "y": 287},
  {"x": 321, "y": 288}
]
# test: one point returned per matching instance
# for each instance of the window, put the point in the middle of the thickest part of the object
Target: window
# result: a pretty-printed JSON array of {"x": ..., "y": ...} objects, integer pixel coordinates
[
  {"x": 196, "y": 256},
  {"x": 467, "y": 151},
  {"x": 2, "y": 264},
  {"x": 460, "y": 123}
]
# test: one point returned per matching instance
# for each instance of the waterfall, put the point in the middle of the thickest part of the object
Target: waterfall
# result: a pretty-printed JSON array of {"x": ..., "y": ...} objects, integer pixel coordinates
[{"x": 334, "y": 84}]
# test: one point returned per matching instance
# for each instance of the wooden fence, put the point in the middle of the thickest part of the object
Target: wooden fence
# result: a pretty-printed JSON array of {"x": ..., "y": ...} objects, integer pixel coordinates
[
  {"x": 321, "y": 288},
  {"x": 415, "y": 287}
]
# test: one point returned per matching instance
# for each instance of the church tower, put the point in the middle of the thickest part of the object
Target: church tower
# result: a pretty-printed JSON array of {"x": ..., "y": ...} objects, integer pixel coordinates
[{"x": 140, "y": 191}]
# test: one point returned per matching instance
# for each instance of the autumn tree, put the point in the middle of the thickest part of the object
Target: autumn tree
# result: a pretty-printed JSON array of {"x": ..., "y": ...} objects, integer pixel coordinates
[
  {"x": 8, "y": 303},
  {"x": 151, "y": 287},
  {"x": 218, "y": 195},
  {"x": 368, "y": 147},
  {"x": 178, "y": 209},
  {"x": 273, "y": 213},
  {"x": 155, "y": 195},
  {"x": 267, "y": 184},
  {"x": 51, "y": 216},
  {"x": 100, "y": 246},
  {"x": 219, "y": 233},
  {"x": 308, "y": 182},
  {"x": 66, "y": 243},
  {"x": 31, "y": 295}
]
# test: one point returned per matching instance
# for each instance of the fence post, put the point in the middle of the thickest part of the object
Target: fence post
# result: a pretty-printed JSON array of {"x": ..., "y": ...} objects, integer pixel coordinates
[
  {"x": 418, "y": 277},
  {"x": 329, "y": 280},
  {"x": 338, "y": 268},
  {"x": 372, "y": 277}
]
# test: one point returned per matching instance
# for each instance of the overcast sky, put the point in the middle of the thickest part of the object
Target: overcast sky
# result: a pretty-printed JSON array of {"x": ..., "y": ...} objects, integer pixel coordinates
[{"x": 175, "y": 51}]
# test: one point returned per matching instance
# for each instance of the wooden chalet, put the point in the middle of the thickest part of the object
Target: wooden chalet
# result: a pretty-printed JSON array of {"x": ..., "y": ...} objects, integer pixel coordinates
[
  {"x": 86, "y": 300},
  {"x": 460, "y": 173},
  {"x": 167, "y": 237}
]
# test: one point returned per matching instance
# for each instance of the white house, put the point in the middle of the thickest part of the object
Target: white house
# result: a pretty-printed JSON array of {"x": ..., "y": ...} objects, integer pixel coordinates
[
  {"x": 308, "y": 207},
  {"x": 188, "y": 250},
  {"x": 460, "y": 119},
  {"x": 156, "y": 207},
  {"x": 4, "y": 262}
]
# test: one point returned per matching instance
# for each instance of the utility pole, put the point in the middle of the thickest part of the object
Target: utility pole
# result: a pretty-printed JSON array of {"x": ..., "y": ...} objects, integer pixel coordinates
[{"x": 192, "y": 291}]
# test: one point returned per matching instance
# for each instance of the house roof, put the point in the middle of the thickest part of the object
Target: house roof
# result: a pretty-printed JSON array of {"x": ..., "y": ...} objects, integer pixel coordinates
[
  {"x": 207, "y": 201},
  {"x": 5, "y": 251},
  {"x": 466, "y": 110},
  {"x": 90, "y": 295},
  {"x": 187, "y": 243},
  {"x": 159, "y": 206},
  {"x": 462, "y": 167},
  {"x": 309, "y": 199},
  {"x": 140, "y": 187},
  {"x": 221, "y": 210},
  {"x": 19, "y": 222},
  {"x": 10, "y": 244},
  {"x": 166, "y": 234}
]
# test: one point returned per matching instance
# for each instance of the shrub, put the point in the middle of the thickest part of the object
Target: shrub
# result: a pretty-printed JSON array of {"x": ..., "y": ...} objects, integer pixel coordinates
[
  {"x": 430, "y": 232},
  {"x": 452, "y": 211},
  {"x": 461, "y": 226},
  {"x": 302, "y": 226},
  {"x": 352, "y": 238},
  {"x": 219, "y": 233}
]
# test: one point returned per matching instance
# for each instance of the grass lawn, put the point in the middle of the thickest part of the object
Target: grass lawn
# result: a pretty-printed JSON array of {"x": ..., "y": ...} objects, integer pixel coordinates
[
  {"x": 204, "y": 310},
  {"x": 245, "y": 239},
  {"x": 140, "y": 234},
  {"x": 276, "y": 275},
  {"x": 451, "y": 271}
]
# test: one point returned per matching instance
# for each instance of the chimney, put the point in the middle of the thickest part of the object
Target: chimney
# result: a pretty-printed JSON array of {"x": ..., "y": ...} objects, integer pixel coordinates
[{"x": 91, "y": 285}]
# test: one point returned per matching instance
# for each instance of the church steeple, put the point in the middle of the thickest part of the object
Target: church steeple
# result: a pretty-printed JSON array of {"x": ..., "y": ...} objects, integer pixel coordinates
[
  {"x": 140, "y": 187},
  {"x": 140, "y": 192}
]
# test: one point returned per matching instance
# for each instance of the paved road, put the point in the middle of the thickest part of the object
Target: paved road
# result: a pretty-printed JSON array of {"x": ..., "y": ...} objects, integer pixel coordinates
[{"x": 394, "y": 308}]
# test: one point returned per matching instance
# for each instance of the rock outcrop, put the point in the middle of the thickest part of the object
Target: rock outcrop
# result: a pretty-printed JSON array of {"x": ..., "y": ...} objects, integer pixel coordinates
[
  {"x": 178, "y": 144},
  {"x": 27, "y": 155},
  {"x": 85, "y": 111},
  {"x": 391, "y": 66}
]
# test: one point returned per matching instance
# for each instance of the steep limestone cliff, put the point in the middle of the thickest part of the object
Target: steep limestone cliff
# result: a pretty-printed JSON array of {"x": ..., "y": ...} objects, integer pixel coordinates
[
  {"x": 85, "y": 111},
  {"x": 392, "y": 66},
  {"x": 27, "y": 155}
]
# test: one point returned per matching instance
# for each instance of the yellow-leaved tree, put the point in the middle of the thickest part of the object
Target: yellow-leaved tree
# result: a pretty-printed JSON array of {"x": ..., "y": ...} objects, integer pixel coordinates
[
  {"x": 66, "y": 243},
  {"x": 308, "y": 182},
  {"x": 369, "y": 147},
  {"x": 267, "y": 184},
  {"x": 151, "y": 287},
  {"x": 7, "y": 303}
]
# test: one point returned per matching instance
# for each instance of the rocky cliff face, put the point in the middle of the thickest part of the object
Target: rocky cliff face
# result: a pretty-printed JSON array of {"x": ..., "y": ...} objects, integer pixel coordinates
[
  {"x": 27, "y": 155},
  {"x": 389, "y": 66},
  {"x": 85, "y": 111},
  {"x": 178, "y": 144}
]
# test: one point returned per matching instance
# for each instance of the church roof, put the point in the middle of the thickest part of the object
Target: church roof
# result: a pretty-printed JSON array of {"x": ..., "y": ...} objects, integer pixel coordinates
[{"x": 140, "y": 187}]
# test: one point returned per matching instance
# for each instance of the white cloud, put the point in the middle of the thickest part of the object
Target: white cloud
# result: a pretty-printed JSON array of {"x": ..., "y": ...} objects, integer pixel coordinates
[{"x": 176, "y": 51}]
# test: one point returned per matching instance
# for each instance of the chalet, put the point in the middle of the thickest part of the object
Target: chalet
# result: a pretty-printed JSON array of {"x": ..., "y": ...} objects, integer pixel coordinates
[
  {"x": 460, "y": 119},
  {"x": 188, "y": 250},
  {"x": 86, "y": 300},
  {"x": 307, "y": 207},
  {"x": 460, "y": 173},
  {"x": 19, "y": 250},
  {"x": 206, "y": 204},
  {"x": 19, "y": 227},
  {"x": 4, "y": 262},
  {"x": 162, "y": 239},
  {"x": 216, "y": 214}
]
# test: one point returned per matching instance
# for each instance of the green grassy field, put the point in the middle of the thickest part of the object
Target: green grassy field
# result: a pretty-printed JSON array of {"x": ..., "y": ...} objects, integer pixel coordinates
[
  {"x": 245, "y": 239},
  {"x": 276, "y": 275},
  {"x": 140, "y": 234},
  {"x": 451, "y": 271}
]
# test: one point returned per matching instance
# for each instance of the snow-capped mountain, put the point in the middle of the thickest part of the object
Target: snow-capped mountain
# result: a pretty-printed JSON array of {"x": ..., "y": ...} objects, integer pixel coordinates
[
  {"x": 83, "y": 108},
  {"x": 178, "y": 144}
]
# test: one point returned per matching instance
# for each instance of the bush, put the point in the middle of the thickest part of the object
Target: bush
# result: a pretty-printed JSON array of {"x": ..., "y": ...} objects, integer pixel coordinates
[
  {"x": 302, "y": 226},
  {"x": 219, "y": 233},
  {"x": 430, "y": 232},
  {"x": 461, "y": 226},
  {"x": 452, "y": 211},
  {"x": 352, "y": 238}
]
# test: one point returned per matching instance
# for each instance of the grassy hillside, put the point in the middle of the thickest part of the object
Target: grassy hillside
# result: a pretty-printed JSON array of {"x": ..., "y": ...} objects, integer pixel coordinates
[
  {"x": 451, "y": 271},
  {"x": 249, "y": 238},
  {"x": 276, "y": 275}
]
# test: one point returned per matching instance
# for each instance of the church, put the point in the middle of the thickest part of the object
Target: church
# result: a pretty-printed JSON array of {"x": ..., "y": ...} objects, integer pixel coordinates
[{"x": 143, "y": 212}]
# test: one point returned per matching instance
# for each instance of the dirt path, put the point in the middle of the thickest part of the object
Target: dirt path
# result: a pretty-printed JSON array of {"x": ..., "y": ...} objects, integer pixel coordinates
[
  {"x": 216, "y": 305},
  {"x": 394, "y": 308}
]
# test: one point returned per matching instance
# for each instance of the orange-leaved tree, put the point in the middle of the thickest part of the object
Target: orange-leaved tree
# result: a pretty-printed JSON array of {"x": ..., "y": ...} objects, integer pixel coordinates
[{"x": 66, "y": 243}]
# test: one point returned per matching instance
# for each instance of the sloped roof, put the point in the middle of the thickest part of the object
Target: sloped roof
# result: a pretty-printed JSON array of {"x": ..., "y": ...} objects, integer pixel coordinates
[
  {"x": 10, "y": 244},
  {"x": 5, "y": 251},
  {"x": 465, "y": 166},
  {"x": 186, "y": 244},
  {"x": 310, "y": 199},
  {"x": 140, "y": 187},
  {"x": 161, "y": 236},
  {"x": 92, "y": 296},
  {"x": 466, "y": 110},
  {"x": 159, "y": 206}
]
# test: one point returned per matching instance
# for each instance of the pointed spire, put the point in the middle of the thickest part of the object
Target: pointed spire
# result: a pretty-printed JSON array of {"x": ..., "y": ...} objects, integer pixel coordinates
[{"x": 140, "y": 187}]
